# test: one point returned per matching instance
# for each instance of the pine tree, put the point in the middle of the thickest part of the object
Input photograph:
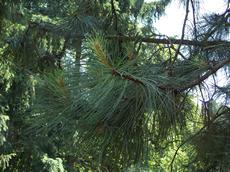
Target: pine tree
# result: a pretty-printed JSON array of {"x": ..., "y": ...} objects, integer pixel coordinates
[{"x": 86, "y": 87}]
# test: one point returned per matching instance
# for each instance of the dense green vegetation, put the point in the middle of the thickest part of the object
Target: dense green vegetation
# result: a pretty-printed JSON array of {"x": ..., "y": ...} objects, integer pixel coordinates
[{"x": 90, "y": 85}]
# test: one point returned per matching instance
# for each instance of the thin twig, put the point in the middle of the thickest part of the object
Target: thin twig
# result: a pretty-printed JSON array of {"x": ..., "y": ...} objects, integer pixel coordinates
[
  {"x": 194, "y": 18},
  {"x": 183, "y": 30}
]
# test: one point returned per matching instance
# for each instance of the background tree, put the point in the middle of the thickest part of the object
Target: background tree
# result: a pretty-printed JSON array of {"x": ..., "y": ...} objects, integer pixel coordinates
[{"x": 86, "y": 87}]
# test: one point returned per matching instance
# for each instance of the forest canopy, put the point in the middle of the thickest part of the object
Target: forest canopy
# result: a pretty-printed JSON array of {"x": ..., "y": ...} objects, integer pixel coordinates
[{"x": 91, "y": 85}]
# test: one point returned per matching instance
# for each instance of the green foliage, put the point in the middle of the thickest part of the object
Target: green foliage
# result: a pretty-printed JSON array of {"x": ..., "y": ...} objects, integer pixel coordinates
[
  {"x": 212, "y": 144},
  {"x": 5, "y": 81},
  {"x": 52, "y": 165},
  {"x": 81, "y": 90},
  {"x": 4, "y": 158},
  {"x": 3, "y": 128},
  {"x": 140, "y": 110}
]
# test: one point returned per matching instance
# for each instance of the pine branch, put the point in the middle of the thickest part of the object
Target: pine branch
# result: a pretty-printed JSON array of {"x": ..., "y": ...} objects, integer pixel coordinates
[
  {"x": 213, "y": 69},
  {"x": 172, "y": 41},
  {"x": 48, "y": 27},
  {"x": 127, "y": 77}
]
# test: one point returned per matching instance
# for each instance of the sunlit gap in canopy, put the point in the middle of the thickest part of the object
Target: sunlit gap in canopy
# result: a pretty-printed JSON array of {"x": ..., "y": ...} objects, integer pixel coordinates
[{"x": 171, "y": 25}]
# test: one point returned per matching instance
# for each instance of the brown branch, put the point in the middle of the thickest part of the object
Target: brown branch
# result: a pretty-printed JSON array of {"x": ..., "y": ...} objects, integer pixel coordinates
[
  {"x": 48, "y": 27},
  {"x": 194, "y": 18},
  {"x": 127, "y": 77},
  {"x": 172, "y": 41},
  {"x": 192, "y": 84},
  {"x": 211, "y": 71},
  {"x": 183, "y": 31}
]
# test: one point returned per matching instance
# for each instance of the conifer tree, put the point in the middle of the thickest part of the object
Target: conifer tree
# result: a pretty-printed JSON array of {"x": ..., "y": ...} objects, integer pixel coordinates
[{"x": 85, "y": 86}]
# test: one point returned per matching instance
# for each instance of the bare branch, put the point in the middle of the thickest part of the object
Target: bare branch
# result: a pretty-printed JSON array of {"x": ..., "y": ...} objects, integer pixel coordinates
[
  {"x": 48, "y": 27},
  {"x": 172, "y": 41},
  {"x": 183, "y": 31}
]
